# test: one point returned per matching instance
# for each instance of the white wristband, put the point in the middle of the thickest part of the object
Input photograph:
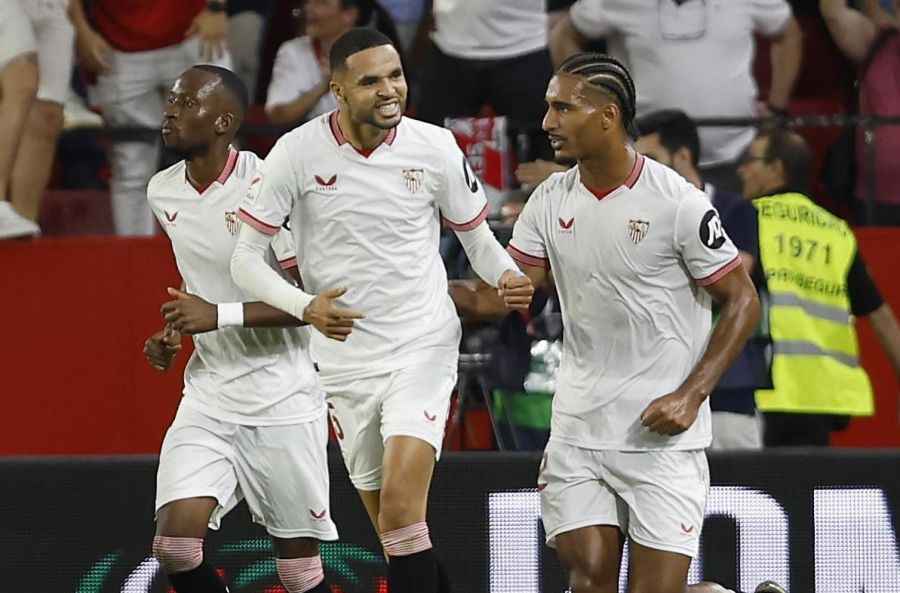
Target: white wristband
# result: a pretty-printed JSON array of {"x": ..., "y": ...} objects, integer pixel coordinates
[{"x": 230, "y": 315}]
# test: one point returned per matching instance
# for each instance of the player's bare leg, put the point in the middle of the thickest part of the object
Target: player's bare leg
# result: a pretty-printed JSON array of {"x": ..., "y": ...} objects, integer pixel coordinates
[
  {"x": 299, "y": 565},
  {"x": 657, "y": 571},
  {"x": 591, "y": 556},
  {"x": 18, "y": 87},
  {"x": 408, "y": 466},
  {"x": 371, "y": 499},
  {"x": 180, "y": 529},
  {"x": 34, "y": 160}
]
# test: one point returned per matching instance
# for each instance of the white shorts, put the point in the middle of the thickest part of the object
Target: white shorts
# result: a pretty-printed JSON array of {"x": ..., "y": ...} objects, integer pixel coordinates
[
  {"x": 412, "y": 401},
  {"x": 16, "y": 33},
  {"x": 282, "y": 471},
  {"x": 42, "y": 26},
  {"x": 658, "y": 498}
]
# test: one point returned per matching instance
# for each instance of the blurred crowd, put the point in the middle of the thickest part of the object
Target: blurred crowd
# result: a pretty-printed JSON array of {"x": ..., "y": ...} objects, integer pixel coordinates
[{"x": 718, "y": 81}]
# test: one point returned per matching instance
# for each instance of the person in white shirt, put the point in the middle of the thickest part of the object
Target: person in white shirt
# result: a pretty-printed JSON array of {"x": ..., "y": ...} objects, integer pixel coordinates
[
  {"x": 299, "y": 89},
  {"x": 364, "y": 189},
  {"x": 252, "y": 422},
  {"x": 488, "y": 53},
  {"x": 697, "y": 56},
  {"x": 637, "y": 253}
]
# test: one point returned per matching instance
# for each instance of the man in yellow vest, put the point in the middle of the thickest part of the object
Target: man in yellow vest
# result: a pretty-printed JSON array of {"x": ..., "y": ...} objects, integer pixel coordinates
[{"x": 817, "y": 285}]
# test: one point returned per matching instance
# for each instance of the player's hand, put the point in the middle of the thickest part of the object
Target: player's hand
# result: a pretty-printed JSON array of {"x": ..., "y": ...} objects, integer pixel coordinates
[
  {"x": 93, "y": 50},
  {"x": 160, "y": 348},
  {"x": 211, "y": 27},
  {"x": 672, "y": 413},
  {"x": 189, "y": 314},
  {"x": 331, "y": 321},
  {"x": 536, "y": 172},
  {"x": 516, "y": 290}
]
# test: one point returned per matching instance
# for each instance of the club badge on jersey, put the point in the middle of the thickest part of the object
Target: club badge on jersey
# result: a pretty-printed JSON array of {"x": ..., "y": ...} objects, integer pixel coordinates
[
  {"x": 231, "y": 222},
  {"x": 413, "y": 179},
  {"x": 638, "y": 229}
]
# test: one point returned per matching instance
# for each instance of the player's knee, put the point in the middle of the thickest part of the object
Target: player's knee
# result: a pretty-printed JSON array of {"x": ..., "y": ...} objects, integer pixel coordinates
[
  {"x": 46, "y": 119},
  {"x": 397, "y": 510},
  {"x": 590, "y": 574},
  {"x": 178, "y": 554}
]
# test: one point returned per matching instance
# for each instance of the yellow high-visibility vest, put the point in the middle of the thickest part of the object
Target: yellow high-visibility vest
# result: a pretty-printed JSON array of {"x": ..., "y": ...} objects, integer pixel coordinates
[{"x": 805, "y": 254}]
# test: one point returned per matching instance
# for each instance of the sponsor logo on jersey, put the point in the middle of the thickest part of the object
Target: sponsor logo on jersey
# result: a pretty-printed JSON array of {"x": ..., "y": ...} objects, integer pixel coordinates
[
  {"x": 712, "y": 235},
  {"x": 687, "y": 529},
  {"x": 413, "y": 179},
  {"x": 318, "y": 516},
  {"x": 566, "y": 225},
  {"x": 327, "y": 184},
  {"x": 231, "y": 222},
  {"x": 430, "y": 417},
  {"x": 637, "y": 229},
  {"x": 171, "y": 217}
]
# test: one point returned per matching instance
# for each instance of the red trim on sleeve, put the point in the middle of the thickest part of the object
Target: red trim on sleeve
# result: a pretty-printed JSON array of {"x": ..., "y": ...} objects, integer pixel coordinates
[
  {"x": 526, "y": 258},
  {"x": 287, "y": 264},
  {"x": 716, "y": 276},
  {"x": 262, "y": 227},
  {"x": 468, "y": 226}
]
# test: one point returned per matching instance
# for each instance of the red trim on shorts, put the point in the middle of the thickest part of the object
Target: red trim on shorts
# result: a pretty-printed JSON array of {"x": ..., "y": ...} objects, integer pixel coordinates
[
  {"x": 262, "y": 227},
  {"x": 341, "y": 139},
  {"x": 716, "y": 276},
  {"x": 468, "y": 226},
  {"x": 526, "y": 258}
]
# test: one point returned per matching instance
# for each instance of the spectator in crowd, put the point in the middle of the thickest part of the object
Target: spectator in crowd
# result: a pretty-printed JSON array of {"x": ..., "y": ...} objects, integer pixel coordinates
[
  {"x": 694, "y": 55},
  {"x": 492, "y": 53},
  {"x": 817, "y": 284},
  {"x": 36, "y": 53},
  {"x": 246, "y": 23},
  {"x": 138, "y": 49},
  {"x": 870, "y": 38},
  {"x": 299, "y": 89},
  {"x": 670, "y": 137},
  {"x": 407, "y": 15}
]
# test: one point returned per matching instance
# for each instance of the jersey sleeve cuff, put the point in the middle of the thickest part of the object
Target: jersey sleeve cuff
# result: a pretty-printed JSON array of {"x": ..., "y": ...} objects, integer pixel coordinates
[
  {"x": 526, "y": 258},
  {"x": 717, "y": 275},
  {"x": 287, "y": 264},
  {"x": 262, "y": 227},
  {"x": 468, "y": 226}
]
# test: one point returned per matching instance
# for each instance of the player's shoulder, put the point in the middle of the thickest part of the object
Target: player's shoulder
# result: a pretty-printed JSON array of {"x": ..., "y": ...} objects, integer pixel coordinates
[
  {"x": 421, "y": 133},
  {"x": 246, "y": 165},
  {"x": 162, "y": 182},
  {"x": 666, "y": 185},
  {"x": 556, "y": 185},
  {"x": 302, "y": 141},
  {"x": 296, "y": 47}
]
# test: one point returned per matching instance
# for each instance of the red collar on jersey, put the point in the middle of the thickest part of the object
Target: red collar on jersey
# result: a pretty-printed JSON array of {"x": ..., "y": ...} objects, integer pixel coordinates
[
  {"x": 629, "y": 182},
  {"x": 227, "y": 170},
  {"x": 341, "y": 139}
]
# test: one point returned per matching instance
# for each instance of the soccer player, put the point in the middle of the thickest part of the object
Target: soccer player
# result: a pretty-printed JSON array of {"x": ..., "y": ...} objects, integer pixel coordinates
[
  {"x": 365, "y": 188},
  {"x": 252, "y": 422},
  {"x": 636, "y": 253}
]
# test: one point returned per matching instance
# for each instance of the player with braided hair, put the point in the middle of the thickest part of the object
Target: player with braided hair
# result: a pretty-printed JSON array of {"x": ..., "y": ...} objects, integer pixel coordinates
[{"x": 638, "y": 254}]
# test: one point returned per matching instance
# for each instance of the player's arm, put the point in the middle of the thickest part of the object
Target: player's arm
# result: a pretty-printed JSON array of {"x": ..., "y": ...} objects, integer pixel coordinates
[
  {"x": 565, "y": 40},
  {"x": 251, "y": 272},
  {"x": 93, "y": 49},
  {"x": 495, "y": 267},
  {"x": 189, "y": 314}
]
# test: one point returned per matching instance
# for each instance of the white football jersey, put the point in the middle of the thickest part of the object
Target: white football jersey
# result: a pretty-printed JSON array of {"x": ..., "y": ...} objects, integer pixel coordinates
[
  {"x": 629, "y": 265},
  {"x": 370, "y": 222},
  {"x": 251, "y": 376}
]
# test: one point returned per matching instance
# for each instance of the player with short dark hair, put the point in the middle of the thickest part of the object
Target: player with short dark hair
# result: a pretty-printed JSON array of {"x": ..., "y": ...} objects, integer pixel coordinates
[
  {"x": 252, "y": 420},
  {"x": 636, "y": 253},
  {"x": 365, "y": 188}
]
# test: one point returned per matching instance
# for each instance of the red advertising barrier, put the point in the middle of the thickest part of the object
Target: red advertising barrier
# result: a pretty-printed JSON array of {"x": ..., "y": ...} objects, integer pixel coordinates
[{"x": 77, "y": 312}]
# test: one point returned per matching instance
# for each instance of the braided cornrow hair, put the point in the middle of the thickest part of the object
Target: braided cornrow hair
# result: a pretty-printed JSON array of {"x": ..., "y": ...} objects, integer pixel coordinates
[{"x": 607, "y": 74}]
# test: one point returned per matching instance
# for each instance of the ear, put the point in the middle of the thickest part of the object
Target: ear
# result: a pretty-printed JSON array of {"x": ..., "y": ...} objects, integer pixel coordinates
[
  {"x": 682, "y": 158},
  {"x": 350, "y": 16},
  {"x": 609, "y": 113},
  {"x": 224, "y": 123},
  {"x": 337, "y": 90},
  {"x": 779, "y": 172}
]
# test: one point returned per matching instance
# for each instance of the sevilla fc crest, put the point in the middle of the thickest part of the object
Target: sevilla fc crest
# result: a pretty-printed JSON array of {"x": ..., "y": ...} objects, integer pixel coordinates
[
  {"x": 637, "y": 230},
  {"x": 413, "y": 179},
  {"x": 231, "y": 222}
]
